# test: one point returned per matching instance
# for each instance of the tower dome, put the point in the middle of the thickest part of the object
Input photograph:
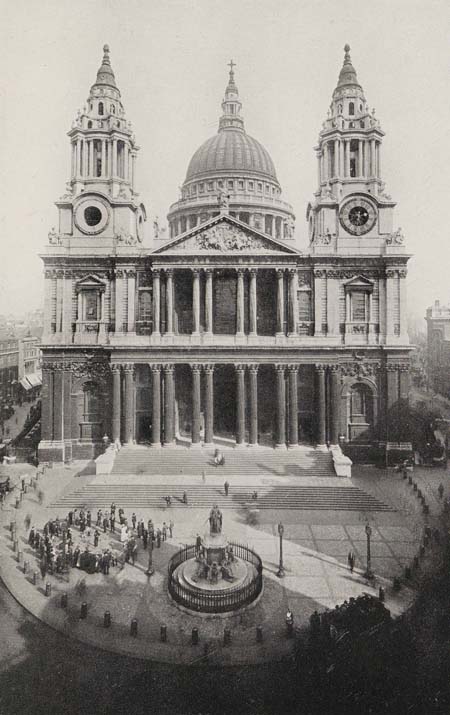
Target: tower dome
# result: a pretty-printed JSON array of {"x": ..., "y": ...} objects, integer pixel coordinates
[{"x": 234, "y": 163}]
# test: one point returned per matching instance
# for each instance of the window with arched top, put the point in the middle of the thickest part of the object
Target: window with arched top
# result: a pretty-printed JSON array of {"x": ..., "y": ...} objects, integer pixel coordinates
[
  {"x": 100, "y": 108},
  {"x": 113, "y": 109},
  {"x": 360, "y": 107},
  {"x": 360, "y": 412},
  {"x": 89, "y": 125},
  {"x": 340, "y": 109},
  {"x": 351, "y": 108},
  {"x": 362, "y": 124}
]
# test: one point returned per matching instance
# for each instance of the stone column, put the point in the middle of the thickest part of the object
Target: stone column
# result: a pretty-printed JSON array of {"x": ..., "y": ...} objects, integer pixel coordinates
[
  {"x": 114, "y": 158},
  {"x": 360, "y": 157},
  {"x": 209, "y": 404},
  {"x": 196, "y": 301},
  {"x": 196, "y": 396},
  {"x": 169, "y": 404},
  {"x": 156, "y": 405},
  {"x": 169, "y": 301},
  {"x": 133, "y": 170},
  {"x": 319, "y": 170},
  {"x": 321, "y": 405},
  {"x": 280, "y": 301},
  {"x": 103, "y": 172},
  {"x": 85, "y": 158},
  {"x": 347, "y": 158},
  {"x": 156, "y": 276},
  {"x": 293, "y": 405},
  {"x": 341, "y": 158},
  {"x": 240, "y": 404},
  {"x": 318, "y": 299},
  {"x": 253, "y": 374},
  {"x": 209, "y": 301},
  {"x": 117, "y": 408},
  {"x": 335, "y": 403},
  {"x": 78, "y": 167},
  {"x": 131, "y": 302},
  {"x": 240, "y": 303},
  {"x": 403, "y": 311},
  {"x": 125, "y": 162},
  {"x": 253, "y": 303},
  {"x": 280, "y": 437},
  {"x": 326, "y": 173},
  {"x": 57, "y": 402},
  {"x": 47, "y": 403},
  {"x": 129, "y": 403},
  {"x": 336, "y": 158},
  {"x": 372, "y": 158},
  {"x": 379, "y": 159},
  {"x": 293, "y": 302}
]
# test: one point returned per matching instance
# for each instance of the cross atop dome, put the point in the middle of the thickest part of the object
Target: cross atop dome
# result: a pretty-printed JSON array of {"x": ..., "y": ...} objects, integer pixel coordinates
[{"x": 231, "y": 104}]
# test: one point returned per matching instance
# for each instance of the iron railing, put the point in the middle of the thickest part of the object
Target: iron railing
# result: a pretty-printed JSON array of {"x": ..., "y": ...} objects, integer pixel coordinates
[{"x": 218, "y": 601}]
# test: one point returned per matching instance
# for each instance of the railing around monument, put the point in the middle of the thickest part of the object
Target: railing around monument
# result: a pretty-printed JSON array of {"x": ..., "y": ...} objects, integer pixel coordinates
[{"x": 218, "y": 601}]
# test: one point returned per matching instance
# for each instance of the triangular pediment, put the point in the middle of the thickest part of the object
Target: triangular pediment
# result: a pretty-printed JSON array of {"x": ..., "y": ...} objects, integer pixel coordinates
[
  {"x": 224, "y": 235},
  {"x": 90, "y": 281},
  {"x": 359, "y": 282}
]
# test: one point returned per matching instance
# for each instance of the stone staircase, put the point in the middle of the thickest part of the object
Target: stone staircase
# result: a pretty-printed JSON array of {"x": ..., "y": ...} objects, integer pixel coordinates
[
  {"x": 136, "y": 497},
  {"x": 252, "y": 462}
]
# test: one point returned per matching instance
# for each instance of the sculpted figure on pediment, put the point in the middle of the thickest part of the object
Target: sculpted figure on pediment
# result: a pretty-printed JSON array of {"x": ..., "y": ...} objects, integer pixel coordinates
[{"x": 226, "y": 238}]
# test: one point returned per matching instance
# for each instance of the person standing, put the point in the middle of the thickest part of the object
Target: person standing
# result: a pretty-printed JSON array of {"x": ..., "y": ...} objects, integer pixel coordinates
[
  {"x": 99, "y": 517},
  {"x": 203, "y": 476},
  {"x": 88, "y": 519},
  {"x": 113, "y": 509},
  {"x": 134, "y": 520},
  {"x": 351, "y": 561},
  {"x": 171, "y": 525},
  {"x": 145, "y": 538},
  {"x": 164, "y": 531},
  {"x": 105, "y": 523},
  {"x": 158, "y": 538},
  {"x": 96, "y": 536},
  {"x": 226, "y": 488},
  {"x": 112, "y": 523},
  {"x": 185, "y": 498},
  {"x": 441, "y": 490}
]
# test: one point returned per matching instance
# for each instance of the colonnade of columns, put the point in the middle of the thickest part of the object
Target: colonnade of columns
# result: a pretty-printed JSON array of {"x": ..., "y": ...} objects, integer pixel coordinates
[
  {"x": 334, "y": 159},
  {"x": 252, "y": 273},
  {"x": 269, "y": 223},
  {"x": 286, "y": 430},
  {"x": 116, "y": 160}
]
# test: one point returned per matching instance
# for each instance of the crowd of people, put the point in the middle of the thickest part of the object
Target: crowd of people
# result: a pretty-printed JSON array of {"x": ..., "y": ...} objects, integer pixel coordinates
[
  {"x": 74, "y": 542},
  {"x": 353, "y": 616}
]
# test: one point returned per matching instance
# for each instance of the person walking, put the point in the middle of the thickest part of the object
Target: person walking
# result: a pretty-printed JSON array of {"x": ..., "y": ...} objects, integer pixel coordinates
[
  {"x": 441, "y": 490},
  {"x": 226, "y": 488},
  {"x": 134, "y": 520},
  {"x": 113, "y": 509},
  {"x": 164, "y": 531},
  {"x": 185, "y": 498},
  {"x": 89, "y": 519},
  {"x": 351, "y": 561},
  {"x": 112, "y": 523},
  {"x": 171, "y": 525},
  {"x": 105, "y": 523},
  {"x": 158, "y": 538},
  {"x": 203, "y": 476}
]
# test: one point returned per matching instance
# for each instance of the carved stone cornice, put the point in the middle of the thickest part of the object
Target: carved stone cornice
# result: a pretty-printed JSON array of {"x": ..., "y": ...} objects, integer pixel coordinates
[
  {"x": 397, "y": 367},
  {"x": 360, "y": 369}
]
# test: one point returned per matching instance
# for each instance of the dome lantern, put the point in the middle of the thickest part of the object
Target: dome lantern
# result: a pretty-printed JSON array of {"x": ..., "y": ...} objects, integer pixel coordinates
[{"x": 231, "y": 105}]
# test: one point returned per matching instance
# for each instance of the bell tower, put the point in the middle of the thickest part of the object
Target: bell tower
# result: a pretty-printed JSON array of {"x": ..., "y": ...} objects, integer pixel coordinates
[
  {"x": 350, "y": 202},
  {"x": 101, "y": 199}
]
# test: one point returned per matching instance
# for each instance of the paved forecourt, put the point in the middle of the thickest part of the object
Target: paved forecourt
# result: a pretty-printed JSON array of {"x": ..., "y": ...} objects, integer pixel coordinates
[{"x": 315, "y": 547}]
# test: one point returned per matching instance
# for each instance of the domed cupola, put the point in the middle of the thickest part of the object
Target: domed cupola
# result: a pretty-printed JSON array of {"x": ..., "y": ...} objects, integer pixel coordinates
[{"x": 234, "y": 163}]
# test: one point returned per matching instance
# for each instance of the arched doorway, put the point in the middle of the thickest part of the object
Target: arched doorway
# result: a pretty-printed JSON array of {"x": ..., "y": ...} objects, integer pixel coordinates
[
  {"x": 91, "y": 422},
  {"x": 360, "y": 412}
]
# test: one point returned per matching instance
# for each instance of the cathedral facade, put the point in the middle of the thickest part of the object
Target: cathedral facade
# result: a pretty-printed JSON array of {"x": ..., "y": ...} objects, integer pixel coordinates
[{"x": 225, "y": 329}]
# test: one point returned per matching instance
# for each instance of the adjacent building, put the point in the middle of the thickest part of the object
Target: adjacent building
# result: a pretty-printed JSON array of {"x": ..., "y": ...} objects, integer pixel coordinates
[
  {"x": 227, "y": 329},
  {"x": 438, "y": 342}
]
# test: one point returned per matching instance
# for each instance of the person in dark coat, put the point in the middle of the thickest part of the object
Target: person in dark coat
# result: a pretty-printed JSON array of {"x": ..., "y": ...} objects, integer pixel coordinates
[
  {"x": 226, "y": 488},
  {"x": 105, "y": 523},
  {"x": 89, "y": 519},
  {"x": 96, "y": 536},
  {"x": 70, "y": 518},
  {"x": 351, "y": 561},
  {"x": 31, "y": 536},
  {"x": 99, "y": 517},
  {"x": 198, "y": 544},
  {"x": 75, "y": 557},
  {"x": 112, "y": 523},
  {"x": 134, "y": 520},
  {"x": 441, "y": 490},
  {"x": 113, "y": 509},
  {"x": 145, "y": 538},
  {"x": 158, "y": 538}
]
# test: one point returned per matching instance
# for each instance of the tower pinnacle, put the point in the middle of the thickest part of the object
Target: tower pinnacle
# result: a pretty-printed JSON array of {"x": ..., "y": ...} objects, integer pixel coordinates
[
  {"x": 231, "y": 104},
  {"x": 105, "y": 74}
]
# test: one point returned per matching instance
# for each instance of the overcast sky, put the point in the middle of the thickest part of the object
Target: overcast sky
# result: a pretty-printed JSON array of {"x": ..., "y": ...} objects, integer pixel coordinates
[{"x": 170, "y": 60}]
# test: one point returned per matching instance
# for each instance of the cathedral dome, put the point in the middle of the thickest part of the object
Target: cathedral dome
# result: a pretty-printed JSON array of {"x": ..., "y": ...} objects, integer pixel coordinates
[{"x": 231, "y": 150}]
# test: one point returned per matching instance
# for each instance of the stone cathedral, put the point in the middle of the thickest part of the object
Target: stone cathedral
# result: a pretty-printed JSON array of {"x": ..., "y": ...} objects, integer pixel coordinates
[{"x": 225, "y": 329}]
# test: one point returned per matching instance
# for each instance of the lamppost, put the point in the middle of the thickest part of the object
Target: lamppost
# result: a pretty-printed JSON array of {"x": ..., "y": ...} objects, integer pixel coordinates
[
  {"x": 369, "y": 572},
  {"x": 150, "y": 569},
  {"x": 280, "y": 572}
]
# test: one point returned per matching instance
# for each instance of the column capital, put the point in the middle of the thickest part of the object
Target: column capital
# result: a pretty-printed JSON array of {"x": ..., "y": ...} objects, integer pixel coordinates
[
  {"x": 156, "y": 272},
  {"x": 116, "y": 367},
  {"x": 168, "y": 271},
  {"x": 196, "y": 271},
  {"x": 253, "y": 271},
  {"x": 196, "y": 367},
  {"x": 155, "y": 367},
  {"x": 209, "y": 367},
  {"x": 293, "y": 368},
  {"x": 240, "y": 367},
  {"x": 320, "y": 367},
  {"x": 128, "y": 367},
  {"x": 240, "y": 270},
  {"x": 208, "y": 271},
  {"x": 280, "y": 272},
  {"x": 168, "y": 367},
  {"x": 253, "y": 368},
  {"x": 280, "y": 367},
  {"x": 335, "y": 367},
  {"x": 292, "y": 272}
]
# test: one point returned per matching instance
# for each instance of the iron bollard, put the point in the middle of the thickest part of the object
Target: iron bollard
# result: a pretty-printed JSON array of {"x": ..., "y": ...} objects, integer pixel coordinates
[
  {"x": 416, "y": 562},
  {"x": 259, "y": 634},
  {"x": 25, "y": 567},
  {"x": 419, "y": 493},
  {"x": 48, "y": 589},
  {"x": 381, "y": 594},
  {"x": 407, "y": 572},
  {"x": 25, "y": 488},
  {"x": 163, "y": 634},
  {"x": 83, "y": 610},
  {"x": 34, "y": 578},
  {"x": 194, "y": 636},
  {"x": 134, "y": 628},
  {"x": 106, "y": 619},
  {"x": 17, "y": 503},
  {"x": 15, "y": 545},
  {"x": 12, "y": 525},
  {"x": 226, "y": 636},
  {"x": 64, "y": 600},
  {"x": 19, "y": 556}
]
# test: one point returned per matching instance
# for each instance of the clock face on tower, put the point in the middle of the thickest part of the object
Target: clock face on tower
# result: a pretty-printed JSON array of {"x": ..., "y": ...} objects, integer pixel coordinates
[
  {"x": 92, "y": 215},
  {"x": 358, "y": 216}
]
